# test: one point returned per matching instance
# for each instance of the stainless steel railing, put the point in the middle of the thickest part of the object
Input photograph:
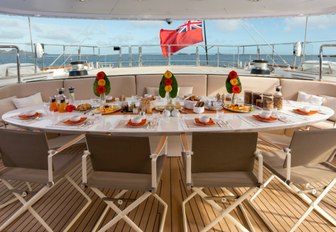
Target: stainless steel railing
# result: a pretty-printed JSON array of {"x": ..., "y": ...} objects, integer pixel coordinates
[
  {"x": 321, "y": 57},
  {"x": 17, "y": 58}
]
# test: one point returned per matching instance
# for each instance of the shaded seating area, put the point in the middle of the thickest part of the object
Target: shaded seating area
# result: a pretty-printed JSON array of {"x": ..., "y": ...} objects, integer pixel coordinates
[
  {"x": 28, "y": 159},
  {"x": 221, "y": 160},
  {"x": 123, "y": 163},
  {"x": 302, "y": 167}
]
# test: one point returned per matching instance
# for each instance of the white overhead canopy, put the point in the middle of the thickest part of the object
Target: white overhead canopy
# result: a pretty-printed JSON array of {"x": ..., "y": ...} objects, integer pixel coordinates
[{"x": 167, "y": 9}]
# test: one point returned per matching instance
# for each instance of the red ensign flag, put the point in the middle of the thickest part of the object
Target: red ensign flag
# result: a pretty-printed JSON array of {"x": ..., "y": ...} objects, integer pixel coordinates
[{"x": 187, "y": 34}]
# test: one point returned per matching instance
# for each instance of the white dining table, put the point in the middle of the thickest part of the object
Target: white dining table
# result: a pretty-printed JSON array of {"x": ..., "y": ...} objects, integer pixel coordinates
[{"x": 158, "y": 124}]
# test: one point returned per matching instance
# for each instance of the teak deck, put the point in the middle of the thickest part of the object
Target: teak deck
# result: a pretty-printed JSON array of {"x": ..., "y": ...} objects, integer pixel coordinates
[{"x": 58, "y": 207}]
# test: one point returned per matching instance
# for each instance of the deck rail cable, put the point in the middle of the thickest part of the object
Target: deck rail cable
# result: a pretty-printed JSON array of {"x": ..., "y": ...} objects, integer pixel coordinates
[{"x": 244, "y": 25}]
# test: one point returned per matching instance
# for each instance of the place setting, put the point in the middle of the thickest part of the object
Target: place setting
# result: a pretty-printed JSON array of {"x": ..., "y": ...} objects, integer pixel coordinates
[
  {"x": 204, "y": 121},
  {"x": 28, "y": 116},
  {"x": 138, "y": 122}
]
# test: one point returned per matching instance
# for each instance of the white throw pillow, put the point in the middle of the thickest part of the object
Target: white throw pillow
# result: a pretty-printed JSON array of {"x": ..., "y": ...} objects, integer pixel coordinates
[
  {"x": 312, "y": 99},
  {"x": 154, "y": 91},
  {"x": 331, "y": 103},
  {"x": 6, "y": 104},
  {"x": 35, "y": 99}
]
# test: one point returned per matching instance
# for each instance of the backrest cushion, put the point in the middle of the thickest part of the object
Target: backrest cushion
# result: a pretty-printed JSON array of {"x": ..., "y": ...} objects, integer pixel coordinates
[
  {"x": 220, "y": 152},
  {"x": 198, "y": 82},
  {"x": 120, "y": 85},
  {"x": 119, "y": 153},
  {"x": 312, "y": 147},
  {"x": 17, "y": 151},
  {"x": 290, "y": 88},
  {"x": 216, "y": 84}
]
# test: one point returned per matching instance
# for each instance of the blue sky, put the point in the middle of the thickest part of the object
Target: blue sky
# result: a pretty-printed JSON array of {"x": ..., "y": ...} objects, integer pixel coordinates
[{"x": 14, "y": 29}]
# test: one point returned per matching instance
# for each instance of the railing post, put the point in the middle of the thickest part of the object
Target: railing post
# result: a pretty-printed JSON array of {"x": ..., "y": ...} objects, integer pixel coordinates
[
  {"x": 140, "y": 56},
  {"x": 17, "y": 59},
  {"x": 63, "y": 56},
  {"x": 238, "y": 66},
  {"x": 197, "y": 57},
  {"x": 79, "y": 53},
  {"x": 130, "y": 56},
  {"x": 169, "y": 55},
  {"x": 120, "y": 57},
  {"x": 258, "y": 52},
  {"x": 273, "y": 49},
  {"x": 217, "y": 56}
]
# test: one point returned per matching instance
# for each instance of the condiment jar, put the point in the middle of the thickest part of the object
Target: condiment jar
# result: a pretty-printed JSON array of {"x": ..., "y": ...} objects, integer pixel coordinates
[
  {"x": 53, "y": 104},
  {"x": 62, "y": 106}
]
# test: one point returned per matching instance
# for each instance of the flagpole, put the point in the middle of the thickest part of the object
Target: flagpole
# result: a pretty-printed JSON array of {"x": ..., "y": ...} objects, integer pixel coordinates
[{"x": 206, "y": 43}]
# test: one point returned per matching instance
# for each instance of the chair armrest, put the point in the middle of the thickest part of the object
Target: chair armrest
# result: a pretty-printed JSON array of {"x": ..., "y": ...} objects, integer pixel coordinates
[
  {"x": 52, "y": 153},
  {"x": 184, "y": 142},
  {"x": 86, "y": 153},
  {"x": 154, "y": 156},
  {"x": 187, "y": 153},
  {"x": 70, "y": 143},
  {"x": 288, "y": 163},
  {"x": 260, "y": 159},
  {"x": 159, "y": 147}
]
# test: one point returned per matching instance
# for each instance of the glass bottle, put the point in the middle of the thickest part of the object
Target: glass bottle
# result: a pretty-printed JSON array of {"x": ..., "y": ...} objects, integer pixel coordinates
[
  {"x": 60, "y": 95},
  {"x": 71, "y": 95},
  {"x": 278, "y": 98},
  {"x": 53, "y": 104},
  {"x": 62, "y": 106}
]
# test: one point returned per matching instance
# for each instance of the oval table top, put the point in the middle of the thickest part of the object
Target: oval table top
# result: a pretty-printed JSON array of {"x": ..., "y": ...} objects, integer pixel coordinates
[{"x": 39, "y": 118}]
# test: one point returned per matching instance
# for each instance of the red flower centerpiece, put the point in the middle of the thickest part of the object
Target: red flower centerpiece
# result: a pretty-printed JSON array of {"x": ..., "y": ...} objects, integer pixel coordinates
[
  {"x": 233, "y": 84},
  {"x": 101, "y": 85}
]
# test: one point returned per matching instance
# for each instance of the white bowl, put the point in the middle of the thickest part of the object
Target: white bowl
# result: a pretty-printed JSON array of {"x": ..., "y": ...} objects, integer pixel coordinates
[
  {"x": 166, "y": 113},
  {"x": 265, "y": 114},
  {"x": 136, "y": 119},
  {"x": 189, "y": 104},
  {"x": 75, "y": 118},
  {"x": 198, "y": 110},
  {"x": 204, "y": 118},
  {"x": 306, "y": 109},
  {"x": 30, "y": 113},
  {"x": 175, "y": 113}
]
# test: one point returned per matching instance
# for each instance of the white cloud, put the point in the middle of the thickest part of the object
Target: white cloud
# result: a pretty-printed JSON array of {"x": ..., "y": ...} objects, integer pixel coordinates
[
  {"x": 228, "y": 25},
  {"x": 13, "y": 28},
  {"x": 7, "y": 33},
  {"x": 322, "y": 22}
]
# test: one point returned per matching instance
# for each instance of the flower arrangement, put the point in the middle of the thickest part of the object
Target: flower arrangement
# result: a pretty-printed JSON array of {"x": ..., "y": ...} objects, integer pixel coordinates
[
  {"x": 233, "y": 84},
  {"x": 168, "y": 84},
  {"x": 101, "y": 84}
]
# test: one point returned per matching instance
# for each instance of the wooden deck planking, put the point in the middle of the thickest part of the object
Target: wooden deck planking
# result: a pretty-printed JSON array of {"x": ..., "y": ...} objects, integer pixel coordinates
[{"x": 61, "y": 204}]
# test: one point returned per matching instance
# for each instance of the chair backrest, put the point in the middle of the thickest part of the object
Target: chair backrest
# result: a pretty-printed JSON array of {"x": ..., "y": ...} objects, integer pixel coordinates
[
  {"x": 220, "y": 152},
  {"x": 312, "y": 147},
  {"x": 24, "y": 149},
  {"x": 119, "y": 153}
]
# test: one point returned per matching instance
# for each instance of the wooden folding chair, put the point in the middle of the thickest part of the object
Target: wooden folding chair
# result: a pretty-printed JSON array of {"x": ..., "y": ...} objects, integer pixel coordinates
[
  {"x": 123, "y": 163},
  {"x": 307, "y": 161},
  {"x": 223, "y": 160},
  {"x": 27, "y": 158}
]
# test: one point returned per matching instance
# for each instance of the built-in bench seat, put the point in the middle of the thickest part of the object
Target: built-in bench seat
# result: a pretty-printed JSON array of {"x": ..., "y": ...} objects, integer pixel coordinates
[{"x": 129, "y": 85}]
